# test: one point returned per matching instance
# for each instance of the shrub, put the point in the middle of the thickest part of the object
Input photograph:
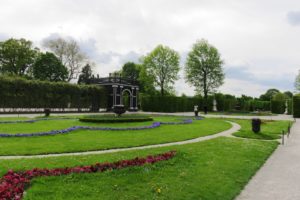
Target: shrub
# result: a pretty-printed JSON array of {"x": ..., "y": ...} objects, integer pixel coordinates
[
  {"x": 115, "y": 119},
  {"x": 296, "y": 106},
  {"x": 22, "y": 93},
  {"x": 277, "y": 107}
]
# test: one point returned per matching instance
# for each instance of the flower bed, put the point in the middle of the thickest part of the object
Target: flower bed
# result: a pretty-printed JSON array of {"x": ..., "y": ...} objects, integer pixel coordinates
[
  {"x": 74, "y": 128},
  {"x": 13, "y": 184}
]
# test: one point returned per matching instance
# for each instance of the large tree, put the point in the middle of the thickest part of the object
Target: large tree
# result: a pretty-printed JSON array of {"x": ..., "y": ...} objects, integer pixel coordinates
[
  {"x": 48, "y": 67},
  {"x": 163, "y": 65},
  {"x": 130, "y": 70},
  {"x": 270, "y": 93},
  {"x": 86, "y": 75},
  {"x": 204, "y": 68},
  {"x": 297, "y": 82},
  {"x": 69, "y": 53},
  {"x": 16, "y": 56}
]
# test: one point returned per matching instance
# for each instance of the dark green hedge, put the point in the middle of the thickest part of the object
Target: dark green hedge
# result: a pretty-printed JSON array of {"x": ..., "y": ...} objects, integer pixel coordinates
[
  {"x": 277, "y": 107},
  {"x": 115, "y": 119},
  {"x": 296, "y": 106},
  {"x": 225, "y": 103},
  {"x": 171, "y": 103},
  {"x": 290, "y": 107},
  {"x": 22, "y": 93}
]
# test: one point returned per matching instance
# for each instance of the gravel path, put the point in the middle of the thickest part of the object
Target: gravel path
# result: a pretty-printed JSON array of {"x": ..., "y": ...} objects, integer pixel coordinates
[{"x": 235, "y": 127}]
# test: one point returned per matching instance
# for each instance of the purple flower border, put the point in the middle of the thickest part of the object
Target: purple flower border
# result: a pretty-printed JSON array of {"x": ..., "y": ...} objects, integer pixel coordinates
[{"x": 74, "y": 128}]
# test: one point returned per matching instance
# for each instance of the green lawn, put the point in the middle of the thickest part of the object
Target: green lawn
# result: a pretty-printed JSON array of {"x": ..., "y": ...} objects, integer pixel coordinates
[
  {"x": 84, "y": 140},
  {"x": 213, "y": 169},
  {"x": 241, "y": 113},
  {"x": 269, "y": 129}
]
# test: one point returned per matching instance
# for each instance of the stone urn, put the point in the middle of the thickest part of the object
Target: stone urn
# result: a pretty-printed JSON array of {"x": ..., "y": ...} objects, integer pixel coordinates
[{"x": 119, "y": 110}]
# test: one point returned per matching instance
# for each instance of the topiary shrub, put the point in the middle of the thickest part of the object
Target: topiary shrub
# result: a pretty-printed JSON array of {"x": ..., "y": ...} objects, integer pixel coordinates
[
  {"x": 296, "y": 106},
  {"x": 112, "y": 119},
  {"x": 256, "y": 125},
  {"x": 277, "y": 107}
]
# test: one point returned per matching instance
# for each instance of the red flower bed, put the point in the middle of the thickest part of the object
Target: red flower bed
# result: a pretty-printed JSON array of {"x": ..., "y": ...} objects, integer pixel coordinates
[{"x": 13, "y": 184}]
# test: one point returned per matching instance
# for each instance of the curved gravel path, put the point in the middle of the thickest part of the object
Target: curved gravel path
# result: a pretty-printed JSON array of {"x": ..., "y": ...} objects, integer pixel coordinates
[{"x": 235, "y": 127}]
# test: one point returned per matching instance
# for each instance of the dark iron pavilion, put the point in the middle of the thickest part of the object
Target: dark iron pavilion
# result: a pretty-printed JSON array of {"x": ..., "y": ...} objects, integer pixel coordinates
[{"x": 118, "y": 88}]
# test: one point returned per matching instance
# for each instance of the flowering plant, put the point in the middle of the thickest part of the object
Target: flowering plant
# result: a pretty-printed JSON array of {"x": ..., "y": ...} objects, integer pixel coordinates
[
  {"x": 74, "y": 128},
  {"x": 13, "y": 184}
]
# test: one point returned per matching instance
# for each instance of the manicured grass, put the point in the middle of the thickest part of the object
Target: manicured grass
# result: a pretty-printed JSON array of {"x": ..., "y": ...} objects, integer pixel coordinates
[
  {"x": 13, "y": 118},
  {"x": 84, "y": 140},
  {"x": 241, "y": 113},
  {"x": 214, "y": 169},
  {"x": 269, "y": 129}
]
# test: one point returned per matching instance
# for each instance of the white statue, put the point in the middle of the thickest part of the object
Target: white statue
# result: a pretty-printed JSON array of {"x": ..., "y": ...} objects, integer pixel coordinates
[{"x": 215, "y": 106}]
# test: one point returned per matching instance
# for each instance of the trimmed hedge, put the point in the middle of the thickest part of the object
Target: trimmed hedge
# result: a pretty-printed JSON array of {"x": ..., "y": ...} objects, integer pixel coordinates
[
  {"x": 225, "y": 103},
  {"x": 277, "y": 107},
  {"x": 172, "y": 103},
  {"x": 115, "y": 119},
  {"x": 22, "y": 93},
  {"x": 296, "y": 106}
]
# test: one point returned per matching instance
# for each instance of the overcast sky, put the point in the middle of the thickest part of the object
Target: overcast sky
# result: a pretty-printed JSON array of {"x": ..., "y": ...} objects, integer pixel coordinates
[{"x": 259, "y": 40}]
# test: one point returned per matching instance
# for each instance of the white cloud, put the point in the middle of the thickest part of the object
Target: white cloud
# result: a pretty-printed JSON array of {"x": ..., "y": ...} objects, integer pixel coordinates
[{"x": 259, "y": 36}]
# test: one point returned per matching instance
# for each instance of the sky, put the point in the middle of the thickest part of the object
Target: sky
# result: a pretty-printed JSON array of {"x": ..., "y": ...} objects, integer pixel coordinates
[{"x": 257, "y": 39}]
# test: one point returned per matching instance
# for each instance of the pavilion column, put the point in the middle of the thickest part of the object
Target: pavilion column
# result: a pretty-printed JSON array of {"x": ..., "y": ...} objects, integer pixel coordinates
[
  {"x": 115, "y": 87},
  {"x": 121, "y": 95}
]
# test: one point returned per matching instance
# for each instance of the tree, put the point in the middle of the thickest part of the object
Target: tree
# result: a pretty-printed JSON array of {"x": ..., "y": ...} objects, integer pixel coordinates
[
  {"x": 69, "y": 53},
  {"x": 269, "y": 94},
  {"x": 16, "y": 56},
  {"x": 297, "y": 82},
  {"x": 289, "y": 94},
  {"x": 86, "y": 75},
  {"x": 131, "y": 71},
  {"x": 163, "y": 65},
  {"x": 280, "y": 97},
  {"x": 146, "y": 82},
  {"x": 48, "y": 67},
  {"x": 203, "y": 68}
]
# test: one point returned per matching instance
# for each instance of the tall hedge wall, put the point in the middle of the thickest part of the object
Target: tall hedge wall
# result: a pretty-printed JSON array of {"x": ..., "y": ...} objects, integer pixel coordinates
[
  {"x": 170, "y": 103},
  {"x": 277, "y": 107},
  {"x": 225, "y": 103},
  {"x": 22, "y": 93},
  {"x": 296, "y": 106}
]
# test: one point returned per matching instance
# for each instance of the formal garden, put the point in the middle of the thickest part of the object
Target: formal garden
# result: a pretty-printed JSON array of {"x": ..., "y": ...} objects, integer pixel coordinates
[
  {"x": 188, "y": 171},
  {"x": 62, "y": 140}
]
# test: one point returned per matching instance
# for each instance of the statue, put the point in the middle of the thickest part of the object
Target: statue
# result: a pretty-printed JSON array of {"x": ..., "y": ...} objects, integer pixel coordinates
[
  {"x": 286, "y": 107},
  {"x": 215, "y": 105}
]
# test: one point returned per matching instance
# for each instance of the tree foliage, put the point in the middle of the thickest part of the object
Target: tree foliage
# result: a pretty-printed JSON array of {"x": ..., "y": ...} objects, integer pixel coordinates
[
  {"x": 86, "y": 75},
  {"x": 162, "y": 64},
  {"x": 16, "y": 56},
  {"x": 203, "y": 68},
  {"x": 131, "y": 71},
  {"x": 69, "y": 53},
  {"x": 269, "y": 94},
  {"x": 48, "y": 67},
  {"x": 297, "y": 82}
]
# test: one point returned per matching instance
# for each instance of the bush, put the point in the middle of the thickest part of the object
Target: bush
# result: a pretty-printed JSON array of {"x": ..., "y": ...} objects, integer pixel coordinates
[
  {"x": 172, "y": 103},
  {"x": 296, "y": 106},
  {"x": 277, "y": 107},
  {"x": 22, "y": 93},
  {"x": 256, "y": 125},
  {"x": 115, "y": 119}
]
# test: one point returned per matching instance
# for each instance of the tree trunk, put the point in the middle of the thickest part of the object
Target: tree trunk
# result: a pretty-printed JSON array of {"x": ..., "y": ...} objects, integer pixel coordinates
[{"x": 162, "y": 91}]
